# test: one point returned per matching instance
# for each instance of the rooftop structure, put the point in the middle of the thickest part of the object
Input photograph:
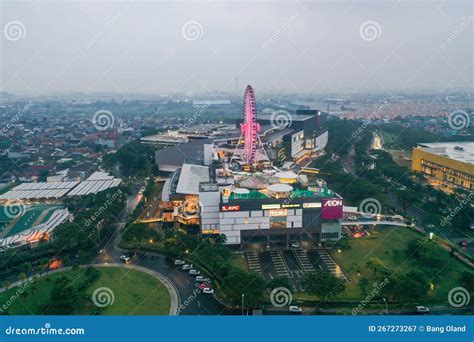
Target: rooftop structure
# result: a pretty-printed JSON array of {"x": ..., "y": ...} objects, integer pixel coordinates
[{"x": 447, "y": 165}]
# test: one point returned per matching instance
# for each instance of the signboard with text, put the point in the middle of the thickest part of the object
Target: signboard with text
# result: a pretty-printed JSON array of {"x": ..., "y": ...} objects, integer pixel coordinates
[{"x": 332, "y": 209}]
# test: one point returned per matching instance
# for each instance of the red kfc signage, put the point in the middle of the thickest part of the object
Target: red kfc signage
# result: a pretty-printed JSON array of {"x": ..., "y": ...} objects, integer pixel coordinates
[{"x": 230, "y": 208}]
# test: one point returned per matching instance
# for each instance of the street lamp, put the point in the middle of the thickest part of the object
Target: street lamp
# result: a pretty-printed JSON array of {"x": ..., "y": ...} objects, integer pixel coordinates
[
  {"x": 243, "y": 295},
  {"x": 386, "y": 305}
]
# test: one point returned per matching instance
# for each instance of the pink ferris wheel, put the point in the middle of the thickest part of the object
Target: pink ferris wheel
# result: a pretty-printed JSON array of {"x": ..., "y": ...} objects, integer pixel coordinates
[{"x": 250, "y": 128}]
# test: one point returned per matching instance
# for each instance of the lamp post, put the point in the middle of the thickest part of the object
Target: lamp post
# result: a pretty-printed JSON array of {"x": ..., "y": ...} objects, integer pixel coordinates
[
  {"x": 386, "y": 305},
  {"x": 243, "y": 296}
]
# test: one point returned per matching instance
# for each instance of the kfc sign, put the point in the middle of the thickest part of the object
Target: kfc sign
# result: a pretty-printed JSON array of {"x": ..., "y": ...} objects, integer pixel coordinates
[
  {"x": 230, "y": 208},
  {"x": 332, "y": 209}
]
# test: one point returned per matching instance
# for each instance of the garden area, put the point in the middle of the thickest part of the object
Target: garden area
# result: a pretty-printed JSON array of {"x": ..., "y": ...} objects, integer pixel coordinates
[{"x": 127, "y": 292}]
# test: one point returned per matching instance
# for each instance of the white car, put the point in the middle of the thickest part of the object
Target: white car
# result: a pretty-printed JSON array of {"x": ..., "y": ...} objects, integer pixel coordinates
[
  {"x": 208, "y": 290},
  {"x": 295, "y": 245},
  {"x": 422, "y": 309},
  {"x": 179, "y": 262},
  {"x": 186, "y": 267},
  {"x": 124, "y": 258},
  {"x": 202, "y": 279},
  {"x": 194, "y": 272},
  {"x": 295, "y": 309}
]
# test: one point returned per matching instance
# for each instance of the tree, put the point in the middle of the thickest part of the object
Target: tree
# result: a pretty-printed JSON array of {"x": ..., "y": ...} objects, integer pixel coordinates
[
  {"x": 325, "y": 285},
  {"x": 279, "y": 282},
  {"x": 249, "y": 284},
  {"x": 376, "y": 265},
  {"x": 362, "y": 284},
  {"x": 22, "y": 277},
  {"x": 64, "y": 297},
  {"x": 467, "y": 280}
]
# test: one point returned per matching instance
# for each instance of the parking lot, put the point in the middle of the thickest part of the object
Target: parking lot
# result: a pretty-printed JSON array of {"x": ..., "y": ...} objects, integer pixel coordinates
[{"x": 292, "y": 262}]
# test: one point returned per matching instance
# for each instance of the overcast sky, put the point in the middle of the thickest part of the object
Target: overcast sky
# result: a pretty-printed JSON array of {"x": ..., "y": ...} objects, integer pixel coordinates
[{"x": 146, "y": 47}]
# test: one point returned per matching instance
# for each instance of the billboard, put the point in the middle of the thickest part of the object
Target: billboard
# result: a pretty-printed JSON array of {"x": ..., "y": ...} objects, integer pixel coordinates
[{"x": 332, "y": 208}]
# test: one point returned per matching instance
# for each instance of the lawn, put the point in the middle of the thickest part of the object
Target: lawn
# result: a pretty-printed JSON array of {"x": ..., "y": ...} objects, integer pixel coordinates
[
  {"x": 134, "y": 292},
  {"x": 239, "y": 261},
  {"x": 388, "y": 244},
  {"x": 401, "y": 157}
]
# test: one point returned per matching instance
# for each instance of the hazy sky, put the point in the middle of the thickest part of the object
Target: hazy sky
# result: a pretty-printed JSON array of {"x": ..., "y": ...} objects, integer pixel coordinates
[{"x": 160, "y": 47}]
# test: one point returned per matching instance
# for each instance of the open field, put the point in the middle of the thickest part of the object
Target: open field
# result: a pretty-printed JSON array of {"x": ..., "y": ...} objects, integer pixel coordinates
[
  {"x": 401, "y": 157},
  {"x": 388, "y": 245},
  {"x": 134, "y": 292}
]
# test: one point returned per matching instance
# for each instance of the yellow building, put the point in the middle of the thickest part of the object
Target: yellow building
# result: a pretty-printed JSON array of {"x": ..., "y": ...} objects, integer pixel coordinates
[{"x": 448, "y": 165}]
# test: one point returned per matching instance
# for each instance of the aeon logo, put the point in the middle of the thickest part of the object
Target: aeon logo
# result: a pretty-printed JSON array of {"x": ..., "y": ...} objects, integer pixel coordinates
[{"x": 333, "y": 203}]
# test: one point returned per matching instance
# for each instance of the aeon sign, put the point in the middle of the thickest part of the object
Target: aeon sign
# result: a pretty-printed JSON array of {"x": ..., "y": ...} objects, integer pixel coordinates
[{"x": 332, "y": 209}]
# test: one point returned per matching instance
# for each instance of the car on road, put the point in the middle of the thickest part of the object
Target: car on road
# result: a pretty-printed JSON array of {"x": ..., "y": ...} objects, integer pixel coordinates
[
  {"x": 194, "y": 272},
  {"x": 295, "y": 245},
  {"x": 422, "y": 309},
  {"x": 207, "y": 290},
  {"x": 202, "y": 279},
  {"x": 124, "y": 258},
  {"x": 186, "y": 267},
  {"x": 295, "y": 309},
  {"x": 178, "y": 262}
]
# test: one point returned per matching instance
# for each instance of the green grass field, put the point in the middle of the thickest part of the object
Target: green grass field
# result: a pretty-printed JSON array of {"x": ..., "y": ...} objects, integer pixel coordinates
[
  {"x": 135, "y": 293},
  {"x": 388, "y": 245}
]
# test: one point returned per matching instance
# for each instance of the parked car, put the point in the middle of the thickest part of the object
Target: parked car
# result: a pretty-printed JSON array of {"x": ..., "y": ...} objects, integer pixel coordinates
[
  {"x": 422, "y": 309},
  {"x": 295, "y": 309},
  {"x": 124, "y": 258},
  {"x": 202, "y": 279},
  {"x": 208, "y": 290},
  {"x": 194, "y": 272},
  {"x": 295, "y": 245},
  {"x": 179, "y": 262},
  {"x": 186, "y": 267}
]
